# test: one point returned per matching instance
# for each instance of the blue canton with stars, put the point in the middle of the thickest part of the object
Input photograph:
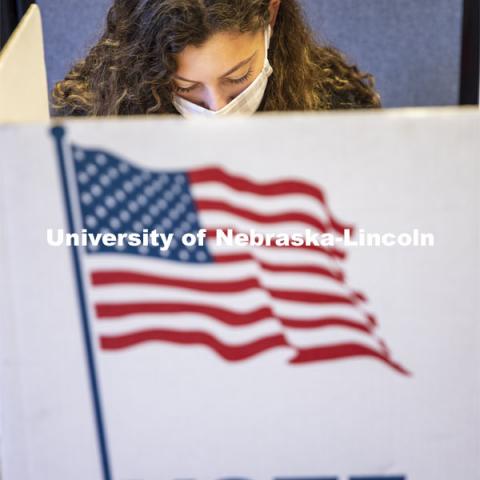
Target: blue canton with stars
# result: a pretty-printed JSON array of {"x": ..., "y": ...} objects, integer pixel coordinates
[{"x": 117, "y": 197}]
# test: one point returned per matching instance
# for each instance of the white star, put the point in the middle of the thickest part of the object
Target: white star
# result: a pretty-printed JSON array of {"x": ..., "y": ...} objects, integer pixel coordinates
[
  {"x": 149, "y": 190},
  {"x": 92, "y": 169},
  {"x": 96, "y": 190},
  {"x": 137, "y": 180},
  {"x": 83, "y": 178},
  {"x": 113, "y": 173},
  {"x": 143, "y": 249},
  {"x": 86, "y": 198},
  {"x": 91, "y": 221},
  {"x": 128, "y": 186},
  {"x": 125, "y": 216},
  {"x": 181, "y": 208},
  {"x": 180, "y": 179},
  {"x": 142, "y": 200},
  {"x": 101, "y": 211},
  {"x": 133, "y": 206},
  {"x": 124, "y": 168},
  {"x": 101, "y": 159},
  {"x": 176, "y": 189},
  {"x": 154, "y": 210},
  {"x": 105, "y": 181},
  {"x": 115, "y": 223},
  {"x": 120, "y": 195},
  {"x": 79, "y": 155},
  {"x": 110, "y": 202},
  {"x": 146, "y": 219},
  {"x": 183, "y": 255},
  {"x": 201, "y": 256},
  {"x": 158, "y": 183}
]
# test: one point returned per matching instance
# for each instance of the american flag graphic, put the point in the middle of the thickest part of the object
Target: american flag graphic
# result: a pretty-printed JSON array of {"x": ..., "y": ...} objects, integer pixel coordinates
[{"x": 238, "y": 302}]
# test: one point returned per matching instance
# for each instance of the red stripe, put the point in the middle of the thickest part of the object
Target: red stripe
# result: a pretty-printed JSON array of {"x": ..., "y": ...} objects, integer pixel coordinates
[
  {"x": 312, "y": 297},
  {"x": 228, "y": 317},
  {"x": 270, "y": 267},
  {"x": 360, "y": 296},
  {"x": 347, "y": 350},
  {"x": 115, "y": 277},
  {"x": 330, "y": 251},
  {"x": 227, "y": 352},
  {"x": 287, "y": 187},
  {"x": 220, "y": 206},
  {"x": 325, "y": 322},
  {"x": 243, "y": 352}
]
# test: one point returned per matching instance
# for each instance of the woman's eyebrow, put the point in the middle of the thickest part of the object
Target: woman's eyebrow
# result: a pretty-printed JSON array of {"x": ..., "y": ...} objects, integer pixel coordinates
[
  {"x": 241, "y": 64},
  {"x": 178, "y": 77},
  {"x": 236, "y": 67}
]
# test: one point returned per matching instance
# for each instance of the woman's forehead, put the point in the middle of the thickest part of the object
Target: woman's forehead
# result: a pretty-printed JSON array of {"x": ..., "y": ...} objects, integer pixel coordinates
[{"x": 217, "y": 55}]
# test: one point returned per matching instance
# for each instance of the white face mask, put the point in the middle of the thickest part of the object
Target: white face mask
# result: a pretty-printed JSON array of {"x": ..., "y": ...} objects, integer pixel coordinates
[{"x": 246, "y": 103}]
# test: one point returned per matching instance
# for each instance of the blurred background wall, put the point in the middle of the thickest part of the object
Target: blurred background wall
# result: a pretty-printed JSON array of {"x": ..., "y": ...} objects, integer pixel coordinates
[{"x": 412, "y": 47}]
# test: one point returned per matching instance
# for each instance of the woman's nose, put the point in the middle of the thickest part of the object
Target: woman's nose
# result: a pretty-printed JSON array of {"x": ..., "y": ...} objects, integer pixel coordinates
[{"x": 215, "y": 100}]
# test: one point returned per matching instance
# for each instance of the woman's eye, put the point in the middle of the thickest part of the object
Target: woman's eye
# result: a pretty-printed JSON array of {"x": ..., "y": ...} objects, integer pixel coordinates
[
  {"x": 241, "y": 79},
  {"x": 184, "y": 89}
]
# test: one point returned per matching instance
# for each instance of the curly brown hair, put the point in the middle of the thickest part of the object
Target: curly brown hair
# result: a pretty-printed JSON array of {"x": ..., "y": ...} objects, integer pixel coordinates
[{"x": 129, "y": 71}]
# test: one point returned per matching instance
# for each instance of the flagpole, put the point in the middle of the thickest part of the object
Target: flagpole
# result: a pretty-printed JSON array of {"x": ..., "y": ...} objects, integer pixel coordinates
[{"x": 58, "y": 133}]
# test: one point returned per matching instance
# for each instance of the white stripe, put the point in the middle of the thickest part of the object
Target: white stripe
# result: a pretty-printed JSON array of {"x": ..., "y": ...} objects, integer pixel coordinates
[
  {"x": 274, "y": 256},
  {"x": 230, "y": 335},
  {"x": 323, "y": 337},
  {"x": 281, "y": 256},
  {"x": 189, "y": 322},
  {"x": 298, "y": 282},
  {"x": 217, "y": 219},
  {"x": 245, "y": 301},
  {"x": 259, "y": 203},
  {"x": 204, "y": 271},
  {"x": 305, "y": 311},
  {"x": 238, "y": 302}
]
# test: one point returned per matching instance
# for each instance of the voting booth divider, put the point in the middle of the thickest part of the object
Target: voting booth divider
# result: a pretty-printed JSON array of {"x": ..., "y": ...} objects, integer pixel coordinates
[
  {"x": 23, "y": 76},
  {"x": 286, "y": 296}
]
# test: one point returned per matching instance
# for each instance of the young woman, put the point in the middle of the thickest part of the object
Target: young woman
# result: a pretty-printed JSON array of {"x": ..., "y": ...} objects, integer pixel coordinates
[{"x": 210, "y": 58}]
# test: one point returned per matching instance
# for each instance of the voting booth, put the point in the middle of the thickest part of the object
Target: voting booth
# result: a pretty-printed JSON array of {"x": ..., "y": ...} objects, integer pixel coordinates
[
  {"x": 212, "y": 355},
  {"x": 287, "y": 296},
  {"x": 23, "y": 77}
]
